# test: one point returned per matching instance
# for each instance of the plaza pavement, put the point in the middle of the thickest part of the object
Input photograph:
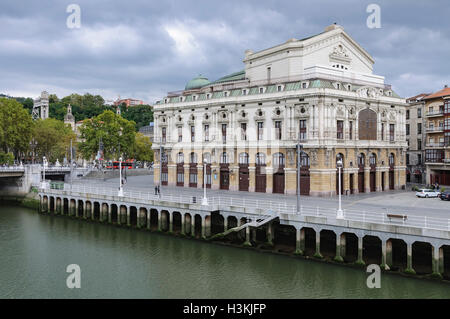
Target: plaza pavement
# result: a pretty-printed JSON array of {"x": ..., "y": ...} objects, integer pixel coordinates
[{"x": 397, "y": 202}]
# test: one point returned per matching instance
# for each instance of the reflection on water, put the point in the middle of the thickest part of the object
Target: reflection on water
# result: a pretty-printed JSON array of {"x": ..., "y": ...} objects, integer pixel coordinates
[{"x": 123, "y": 263}]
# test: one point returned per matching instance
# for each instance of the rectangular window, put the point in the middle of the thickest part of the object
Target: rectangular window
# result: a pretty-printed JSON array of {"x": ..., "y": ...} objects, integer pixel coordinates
[
  {"x": 391, "y": 132},
  {"x": 302, "y": 130},
  {"x": 224, "y": 133},
  {"x": 350, "y": 130},
  {"x": 382, "y": 131},
  {"x": 419, "y": 128},
  {"x": 164, "y": 177},
  {"x": 419, "y": 113},
  {"x": 407, "y": 159},
  {"x": 278, "y": 130},
  {"x": 279, "y": 88},
  {"x": 243, "y": 131},
  {"x": 419, "y": 145},
  {"x": 206, "y": 132},
  {"x": 180, "y": 134},
  {"x": 407, "y": 114},
  {"x": 434, "y": 156},
  {"x": 407, "y": 129},
  {"x": 260, "y": 131},
  {"x": 163, "y": 134},
  {"x": 180, "y": 177},
  {"x": 192, "y": 133},
  {"x": 340, "y": 130},
  {"x": 192, "y": 178},
  {"x": 269, "y": 73}
]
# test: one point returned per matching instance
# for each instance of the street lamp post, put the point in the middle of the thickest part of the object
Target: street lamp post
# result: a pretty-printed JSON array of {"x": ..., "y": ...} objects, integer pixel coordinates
[
  {"x": 299, "y": 164},
  {"x": 160, "y": 166},
  {"x": 340, "y": 213},
  {"x": 205, "y": 200},
  {"x": 120, "y": 178}
]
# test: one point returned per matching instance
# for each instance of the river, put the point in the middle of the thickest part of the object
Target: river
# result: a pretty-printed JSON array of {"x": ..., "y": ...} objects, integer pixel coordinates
[{"x": 127, "y": 263}]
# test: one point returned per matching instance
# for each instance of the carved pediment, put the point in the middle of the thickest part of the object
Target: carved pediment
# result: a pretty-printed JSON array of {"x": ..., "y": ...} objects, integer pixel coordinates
[
  {"x": 242, "y": 116},
  {"x": 277, "y": 114},
  {"x": 369, "y": 92},
  {"x": 301, "y": 111},
  {"x": 340, "y": 54},
  {"x": 260, "y": 115},
  {"x": 340, "y": 113},
  {"x": 222, "y": 117}
]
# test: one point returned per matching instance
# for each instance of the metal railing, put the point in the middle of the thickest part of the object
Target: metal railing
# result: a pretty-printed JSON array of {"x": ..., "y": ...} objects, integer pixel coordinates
[{"x": 265, "y": 206}]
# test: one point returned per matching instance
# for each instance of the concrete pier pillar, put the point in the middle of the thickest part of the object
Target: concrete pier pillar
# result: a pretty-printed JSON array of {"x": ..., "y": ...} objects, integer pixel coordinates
[
  {"x": 253, "y": 235},
  {"x": 148, "y": 218},
  {"x": 437, "y": 271},
  {"x": 389, "y": 253},
  {"x": 183, "y": 232},
  {"x": 384, "y": 264},
  {"x": 247, "y": 236},
  {"x": 193, "y": 225},
  {"x": 203, "y": 228},
  {"x": 58, "y": 204},
  {"x": 269, "y": 234},
  {"x": 343, "y": 245},
  {"x": 318, "y": 254},
  {"x": 160, "y": 220},
  {"x": 69, "y": 207},
  {"x": 225, "y": 223},
  {"x": 208, "y": 226},
  {"x": 338, "y": 257},
  {"x": 76, "y": 208},
  {"x": 409, "y": 269},
  {"x": 48, "y": 204},
  {"x": 298, "y": 242},
  {"x": 128, "y": 216},
  {"x": 170, "y": 222},
  {"x": 105, "y": 211},
  {"x": 109, "y": 213},
  {"x": 87, "y": 211},
  {"x": 92, "y": 211},
  {"x": 360, "y": 260}
]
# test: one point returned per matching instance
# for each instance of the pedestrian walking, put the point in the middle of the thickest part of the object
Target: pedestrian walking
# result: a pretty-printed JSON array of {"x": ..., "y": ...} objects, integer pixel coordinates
[{"x": 156, "y": 190}]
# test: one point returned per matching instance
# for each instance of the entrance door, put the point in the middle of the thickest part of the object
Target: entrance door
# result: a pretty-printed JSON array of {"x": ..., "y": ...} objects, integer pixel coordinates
[
  {"x": 243, "y": 178},
  {"x": 391, "y": 179},
  {"x": 224, "y": 177},
  {"x": 164, "y": 174},
  {"x": 304, "y": 181},
  {"x": 278, "y": 183},
  {"x": 180, "y": 174},
  {"x": 382, "y": 181},
  {"x": 351, "y": 184},
  {"x": 193, "y": 175},
  {"x": 260, "y": 182},
  {"x": 372, "y": 182},
  {"x": 361, "y": 182}
]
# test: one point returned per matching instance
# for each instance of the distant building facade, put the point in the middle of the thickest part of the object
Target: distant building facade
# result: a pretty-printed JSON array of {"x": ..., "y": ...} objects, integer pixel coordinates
[
  {"x": 148, "y": 131},
  {"x": 129, "y": 102},
  {"x": 41, "y": 106},
  {"x": 246, "y": 126}
]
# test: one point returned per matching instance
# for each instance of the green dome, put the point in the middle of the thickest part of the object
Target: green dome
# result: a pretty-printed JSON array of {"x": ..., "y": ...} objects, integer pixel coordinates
[{"x": 197, "y": 83}]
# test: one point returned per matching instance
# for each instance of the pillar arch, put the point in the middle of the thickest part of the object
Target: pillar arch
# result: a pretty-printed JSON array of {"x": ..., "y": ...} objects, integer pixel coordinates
[
  {"x": 445, "y": 261},
  {"x": 87, "y": 210},
  {"x": 197, "y": 226},
  {"x": 154, "y": 217},
  {"x": 396, "y": 257},
  {"x": 104, "y": 212},
  {"x": 45, "y": 204},
  {"x": 328, "y": 243},
  {"x": 284, "y": 237},
  {"x": 65, "y": 209},
  {"x": 133, "y": 213},
  {"x": 310, "y": 241},
  {"x": 217, "y": 223},
  {"x": 96, "y": 211},
  {"x": 176, "y": 221},
  {"x": 422, "y": 258},
  {"x": 122, "y": 217},
  {"x": 81, "y": 208},
  {"x": 164, "y": 220},
  {"x": 142, "y": 218},
  {"x": 114, "y": 213},
  {"x": 349, "y": 247},
  {"x": 73, "y": 207},
  {"x": 372, "y": 250},
  {"x": 188, "y": 224}
]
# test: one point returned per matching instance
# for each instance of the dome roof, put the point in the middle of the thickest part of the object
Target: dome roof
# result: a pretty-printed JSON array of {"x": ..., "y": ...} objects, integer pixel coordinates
[{"x": 197, "y": 83}]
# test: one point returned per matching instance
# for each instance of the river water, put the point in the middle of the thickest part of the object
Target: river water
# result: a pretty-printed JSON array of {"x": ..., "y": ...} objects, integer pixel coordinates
[{"x": 127, "y": 263}]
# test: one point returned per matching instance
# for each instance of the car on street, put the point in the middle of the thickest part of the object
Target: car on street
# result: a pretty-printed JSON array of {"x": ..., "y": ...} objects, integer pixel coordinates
[
  {"x": 445, "y": 196},
  {"x": 426, "y": 193}
]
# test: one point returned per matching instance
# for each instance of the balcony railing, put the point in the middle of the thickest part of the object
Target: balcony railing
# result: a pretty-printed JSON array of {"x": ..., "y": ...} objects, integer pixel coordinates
[
  {"x": 435, "y": 129},
  {"x": 439, "y": 144},
  {"x": 435, "y": 113}
]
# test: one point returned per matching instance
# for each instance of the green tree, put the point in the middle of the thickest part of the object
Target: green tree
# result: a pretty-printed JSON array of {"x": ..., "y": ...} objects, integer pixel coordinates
[
  {"x": 15, "y": 127},
  {"x": 142, "y": 150},
  {"x": 117, "y": 135},
  {"x": 141, "y": 114},
  {"x": 6, "y": 158},
  {"x": 52, "y": 138}
]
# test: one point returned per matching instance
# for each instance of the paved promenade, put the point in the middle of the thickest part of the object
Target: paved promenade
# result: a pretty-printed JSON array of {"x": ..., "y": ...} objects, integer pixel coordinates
[{"x": 398, "y": 202}]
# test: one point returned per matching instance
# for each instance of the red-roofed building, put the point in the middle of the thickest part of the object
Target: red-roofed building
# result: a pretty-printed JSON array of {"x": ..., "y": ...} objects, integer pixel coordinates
[{"x": 129, "y": 102}]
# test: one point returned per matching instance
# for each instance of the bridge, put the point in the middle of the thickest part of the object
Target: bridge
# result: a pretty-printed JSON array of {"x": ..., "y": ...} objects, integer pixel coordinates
[{"x": 367, "y": 233}]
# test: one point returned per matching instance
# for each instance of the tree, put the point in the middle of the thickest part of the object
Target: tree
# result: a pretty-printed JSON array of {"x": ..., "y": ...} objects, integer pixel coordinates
[
  {"x": 15, "y": 127},
  {"x": 117, "y": 135},
  {"x": 52, "y": 138},
  {"x": 6, "y": 158},
  {"x": 142, "y": 150},
  {"x": 141, "y": 114}
]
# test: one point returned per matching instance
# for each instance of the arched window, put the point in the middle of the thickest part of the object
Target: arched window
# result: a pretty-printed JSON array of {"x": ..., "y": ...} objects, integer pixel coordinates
[
  {"x": 278, "y": 159},
  {"x": 304, "y": 160},
  {"x": 243, "y": 158},
  {"x": 224, "y": 158},
  {"x": 361, "y": 159},
  {"x": 193, "y": 158},
  {"x": 207, "y": 158},
  {"x": 367, "y": 123},
  {"x": 180, "y": 158},
  {"x": 373, "y": 159},
  {"x": 260, "y": 159},
  {"x": 391, "y": 159},
  {"x": 340, "y": 156}
]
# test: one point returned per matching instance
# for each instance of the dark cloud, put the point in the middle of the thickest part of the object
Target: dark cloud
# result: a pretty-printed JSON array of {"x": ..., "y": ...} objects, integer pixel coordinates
[{"x": 144, "y": 49}]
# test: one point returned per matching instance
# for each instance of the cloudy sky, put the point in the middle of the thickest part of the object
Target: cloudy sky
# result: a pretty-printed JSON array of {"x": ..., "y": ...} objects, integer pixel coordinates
[{"x": 145, "y": 48}]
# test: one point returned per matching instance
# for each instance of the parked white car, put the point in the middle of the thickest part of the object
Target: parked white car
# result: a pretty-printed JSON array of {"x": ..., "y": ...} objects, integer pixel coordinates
[{"x": 427, "y": 193}]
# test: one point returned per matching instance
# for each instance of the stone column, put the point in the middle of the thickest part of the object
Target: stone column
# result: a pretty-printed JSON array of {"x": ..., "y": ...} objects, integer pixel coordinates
[
  {"x": 269, "y": 234},
  {"x": 300, "y": 235},
  {"x": 409, "y": 268},
  {"x": 436, "y": 262},
  {"x": 367, "y": 179},
  {"x": 338, "y": 257},
  {"x": 203, "y": 227},
  {"x": 253, "y": 232},
  {"x": 247, "y": 236},
  {"x": 76, "y": 208},
  {"x": 160, "y": 220},
  {"x": 318, "y": 254},
  {"x": 215, "y": 177},
  {"x": 128, "y": 216},
  {"x": 183, "y": 216},
  {"x": 225, "y": 223},
  {"x": 200, "y": 176},
  {"x": 193, "y": 225},
  {"x": 48, "y": 204},
  {"x": 208, "y": 226},
  {"x": 360, "y": 260},
  {"x": 58, "y": 204},
  {"x": 170, "y": 222},
  {"x": 109, "y": 213},
  {"x": 148, "y": 218},
  {"x": 355, "y": 183},
  {"x": 378, "y": 180},
  {"x": 92, "y": 210},
  {"x": 269, "y": 179},
  {"x": 384, "y": 264},
  {"x": 252, "y": 178},
  {"x": 389, "y": 253},
  {"x": 87, "y": 211}
]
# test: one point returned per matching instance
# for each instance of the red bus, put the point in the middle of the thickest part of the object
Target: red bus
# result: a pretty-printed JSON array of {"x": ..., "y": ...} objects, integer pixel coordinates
[{"x": 128, "y": 164}]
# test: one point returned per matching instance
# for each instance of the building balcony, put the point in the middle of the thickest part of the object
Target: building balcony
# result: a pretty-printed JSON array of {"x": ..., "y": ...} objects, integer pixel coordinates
[
  {"x": 446, "y": 160},
  {"x": 439, "y": 129},
  {"x": 436, "y": 145},
  {"x": 435, "y": 113}
]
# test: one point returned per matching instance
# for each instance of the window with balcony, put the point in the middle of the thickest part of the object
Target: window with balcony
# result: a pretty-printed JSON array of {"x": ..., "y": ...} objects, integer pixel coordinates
[
  {"x": 434, "y": 156},
  {"x": 243, "y": 131},
  {"x": 278, "y": 130},
  {"x": 192, "y": 133},
  {"x": 260, "y": 131},
  {"x": 302, "y": 130},
  {"x": 340, "y": 130}
]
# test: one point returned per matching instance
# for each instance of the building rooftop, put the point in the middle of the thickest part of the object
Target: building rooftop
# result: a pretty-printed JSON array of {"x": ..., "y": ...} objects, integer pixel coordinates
[{"x": 444, "y": 92}]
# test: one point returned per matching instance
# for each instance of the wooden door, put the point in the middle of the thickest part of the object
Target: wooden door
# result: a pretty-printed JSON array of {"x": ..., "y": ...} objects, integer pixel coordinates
[
  {"x": 372, "y": 182},
  {"x": 260, "y": 176},
  {"x": 180, "y": 171},
  {"x": 361, "y": 182},
  {"x": 391, "y": 179},
  {"x": 351, "y": 184},
  {"x": 193, "y": 175},
  {"x": 278, "y": 183},
  {"x": 304, "y": 181},
  {"x": 243, "y": 178},
  {"x": 224, "y": 178}
]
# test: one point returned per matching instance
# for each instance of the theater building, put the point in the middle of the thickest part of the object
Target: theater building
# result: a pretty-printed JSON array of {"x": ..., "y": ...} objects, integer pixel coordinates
[{"x": 319, "y": 91}]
